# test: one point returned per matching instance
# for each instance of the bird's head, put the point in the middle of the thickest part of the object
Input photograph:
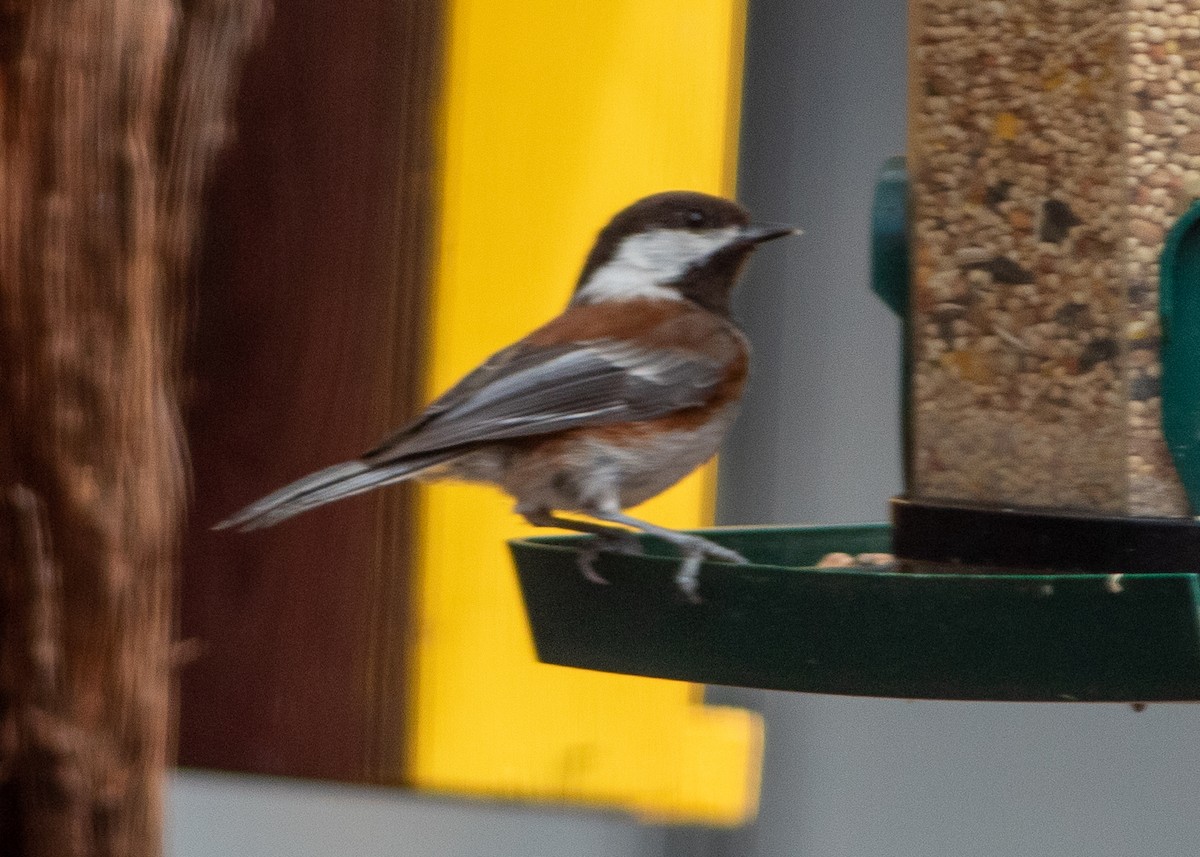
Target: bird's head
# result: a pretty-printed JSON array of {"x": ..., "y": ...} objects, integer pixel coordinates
[{"x": 677, "y": 245}]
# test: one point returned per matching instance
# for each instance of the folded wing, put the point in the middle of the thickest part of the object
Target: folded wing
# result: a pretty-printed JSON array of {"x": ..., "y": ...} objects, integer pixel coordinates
[
  {"x": 531, "y": 391},
  {"x": 523, "y": 391}
]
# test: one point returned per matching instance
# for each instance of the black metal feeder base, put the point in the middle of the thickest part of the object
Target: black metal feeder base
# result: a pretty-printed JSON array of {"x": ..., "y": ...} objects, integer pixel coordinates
[{"x": 983, "y": 605}]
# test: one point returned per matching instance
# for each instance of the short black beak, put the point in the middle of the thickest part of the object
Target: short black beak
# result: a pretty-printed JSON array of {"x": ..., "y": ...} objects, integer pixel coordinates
[{"x": 757, "y": 233}]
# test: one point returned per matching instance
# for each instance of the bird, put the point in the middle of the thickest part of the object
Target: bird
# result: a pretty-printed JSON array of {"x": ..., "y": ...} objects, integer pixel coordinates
[{"x": 628, "y": 390}]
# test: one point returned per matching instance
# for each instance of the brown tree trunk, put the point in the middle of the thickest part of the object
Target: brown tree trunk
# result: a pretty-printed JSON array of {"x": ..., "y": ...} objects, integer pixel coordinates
[{"x": 111, "y": 112}]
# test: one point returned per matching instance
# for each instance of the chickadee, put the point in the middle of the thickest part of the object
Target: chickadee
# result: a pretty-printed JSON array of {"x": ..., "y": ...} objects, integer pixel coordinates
[{"x": 626, "y": 392}]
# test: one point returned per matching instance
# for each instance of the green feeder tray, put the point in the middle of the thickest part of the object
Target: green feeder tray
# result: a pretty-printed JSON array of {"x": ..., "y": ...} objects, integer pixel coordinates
[{"x": 954, "y": 633}]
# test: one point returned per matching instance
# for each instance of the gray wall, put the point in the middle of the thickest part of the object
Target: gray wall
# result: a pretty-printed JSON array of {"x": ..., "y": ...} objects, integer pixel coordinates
[
  {"x": 885, "y": 778},
  {"x": 824, "y": 107},
  {"x": 222, "y": 815}
]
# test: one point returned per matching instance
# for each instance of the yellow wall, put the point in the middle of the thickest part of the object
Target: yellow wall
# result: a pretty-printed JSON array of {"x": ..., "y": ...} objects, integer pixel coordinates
[{"x": 556, "y": 115}]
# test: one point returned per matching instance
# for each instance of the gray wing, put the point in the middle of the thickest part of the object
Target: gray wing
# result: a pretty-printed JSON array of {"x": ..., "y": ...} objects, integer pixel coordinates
[
  {"x": 521, "y": 392},
  {"x": 525, "y": 391}
]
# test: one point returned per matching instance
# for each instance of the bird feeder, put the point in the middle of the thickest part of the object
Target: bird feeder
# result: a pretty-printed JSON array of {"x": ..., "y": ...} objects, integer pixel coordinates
[{"x": 1041, "y": 244}]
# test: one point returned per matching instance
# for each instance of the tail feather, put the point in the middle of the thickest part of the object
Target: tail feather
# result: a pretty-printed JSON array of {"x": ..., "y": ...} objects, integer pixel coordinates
[{"x": 324, "y": 486}]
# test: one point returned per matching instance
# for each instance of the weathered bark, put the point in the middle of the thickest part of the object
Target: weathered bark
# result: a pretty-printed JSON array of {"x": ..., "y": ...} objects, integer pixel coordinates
[{"x": 111, "y": 112}]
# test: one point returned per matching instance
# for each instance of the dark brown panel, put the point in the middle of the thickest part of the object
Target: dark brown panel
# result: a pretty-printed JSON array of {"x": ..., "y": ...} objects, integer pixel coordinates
[{"x": 306, "y": 349}]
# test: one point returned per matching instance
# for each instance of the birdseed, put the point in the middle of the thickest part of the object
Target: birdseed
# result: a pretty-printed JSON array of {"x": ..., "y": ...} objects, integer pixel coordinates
[{"x": 1052, "y": 144}]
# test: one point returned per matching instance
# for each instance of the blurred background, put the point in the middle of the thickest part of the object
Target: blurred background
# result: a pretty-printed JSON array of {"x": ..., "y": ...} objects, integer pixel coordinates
[{"x": 822, "y": 105}]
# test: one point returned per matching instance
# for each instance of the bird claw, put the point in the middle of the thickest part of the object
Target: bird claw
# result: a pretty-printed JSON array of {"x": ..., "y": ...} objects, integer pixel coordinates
[
  {"x": 695, "y": 550},
  {"x": 622, "y": 542},
  {"x": 726, "y": 554},
  {"x": 688, "y": 576},
  {"x": 587, "y": 565}
]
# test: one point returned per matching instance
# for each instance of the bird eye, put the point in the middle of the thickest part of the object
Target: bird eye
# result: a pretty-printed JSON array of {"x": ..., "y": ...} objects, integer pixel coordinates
[{"x": 695, "y": 217}]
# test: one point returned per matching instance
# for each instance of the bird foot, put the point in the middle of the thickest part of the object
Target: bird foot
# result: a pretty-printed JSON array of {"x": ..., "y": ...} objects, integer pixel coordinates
[
  {"x": 620, "y": 541},
  {"x": 695, "y": 550}
]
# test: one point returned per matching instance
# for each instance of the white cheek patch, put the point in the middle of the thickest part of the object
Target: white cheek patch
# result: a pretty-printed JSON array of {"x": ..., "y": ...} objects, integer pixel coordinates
[{"x": 644, "y": 262}]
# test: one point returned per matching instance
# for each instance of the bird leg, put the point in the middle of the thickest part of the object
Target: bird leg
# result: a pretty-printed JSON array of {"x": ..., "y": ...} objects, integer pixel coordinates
[
  {"x": 616, "y": 539},
  {"x": 693, "y": 548}
]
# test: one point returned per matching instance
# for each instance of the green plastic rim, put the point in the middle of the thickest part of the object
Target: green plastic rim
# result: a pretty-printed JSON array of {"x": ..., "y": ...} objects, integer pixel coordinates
[
  {"x": 782, "y": 624},
  {"x": 1179, "y": 315}
]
